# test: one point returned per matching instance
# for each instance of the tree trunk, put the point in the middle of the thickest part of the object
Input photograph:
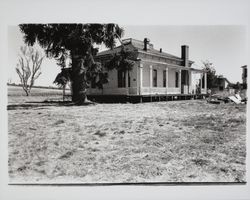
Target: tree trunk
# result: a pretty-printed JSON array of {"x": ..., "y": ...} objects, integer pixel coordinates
[
  {"x": 79, "y": 86},
  {"x": 64, "y": 92},
  {"x": 27, "y": 92}
]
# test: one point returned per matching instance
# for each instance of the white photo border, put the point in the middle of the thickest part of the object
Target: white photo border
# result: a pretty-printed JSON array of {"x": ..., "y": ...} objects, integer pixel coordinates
[{"x": 127, "y": 12}]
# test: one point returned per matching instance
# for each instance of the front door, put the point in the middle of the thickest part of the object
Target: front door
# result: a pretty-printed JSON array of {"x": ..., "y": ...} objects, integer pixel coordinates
[{"x": 184, "y": 81}]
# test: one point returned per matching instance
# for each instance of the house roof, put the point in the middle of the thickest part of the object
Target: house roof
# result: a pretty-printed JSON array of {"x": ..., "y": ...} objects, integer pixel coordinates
[
  {"x": 224, "y": 78},
  {"x": 138, "y": 46}
]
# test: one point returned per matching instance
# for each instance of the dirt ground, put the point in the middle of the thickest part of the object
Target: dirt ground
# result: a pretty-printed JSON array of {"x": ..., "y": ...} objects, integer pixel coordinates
[{"x": 177, "y": 141}]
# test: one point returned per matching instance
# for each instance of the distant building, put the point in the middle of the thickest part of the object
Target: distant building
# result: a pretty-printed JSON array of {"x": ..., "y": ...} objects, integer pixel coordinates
[
  {"x": 222, "y": 83},
  {"x": 244, "y": 74},
  {"x": 154, "y": 72}
]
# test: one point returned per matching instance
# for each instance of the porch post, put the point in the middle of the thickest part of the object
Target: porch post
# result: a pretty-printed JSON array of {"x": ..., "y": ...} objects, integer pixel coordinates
[
  {"x": 166, "y": 79},
  {"x": 126, "y": 81},
  {"x": 205, "y": 82},
  {"x": 201, "y": 81},
  {"x": 190, "y": 82},
  {"x": 150, "y": 77},
  {"x": 140, "y": 78},
  {"x": 179, "y": 80}
]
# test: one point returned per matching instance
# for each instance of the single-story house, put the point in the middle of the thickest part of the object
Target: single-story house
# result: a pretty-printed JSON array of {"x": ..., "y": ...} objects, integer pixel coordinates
[{"x": 154, "y": 73}]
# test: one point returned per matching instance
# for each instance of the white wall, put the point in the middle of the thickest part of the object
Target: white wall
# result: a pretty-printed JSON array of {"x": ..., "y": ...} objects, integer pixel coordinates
[
  {"x": 113, "y": 82},
  {"x": 146, "y": 75},
  {"x": 113, "y": 79},
  {"x": 159, "y": 75},
  {"x": 133, "y": 76},
  {"x": 171, "y": 77}
]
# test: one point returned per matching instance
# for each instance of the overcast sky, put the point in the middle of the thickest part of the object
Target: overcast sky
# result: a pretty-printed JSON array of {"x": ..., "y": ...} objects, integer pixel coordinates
[{"x": 224, "y": 46}]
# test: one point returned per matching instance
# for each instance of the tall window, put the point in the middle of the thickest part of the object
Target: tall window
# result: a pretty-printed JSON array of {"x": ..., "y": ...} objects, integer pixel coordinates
[
  {"x": 203, "y": 81},
  {"x": 121, "y": 75},
  {"x": 164, "y": 78},
  {"x": 154, "y": 78},
  {"x": 176, "y": 79},
  {"x": 128, "y": 79}
]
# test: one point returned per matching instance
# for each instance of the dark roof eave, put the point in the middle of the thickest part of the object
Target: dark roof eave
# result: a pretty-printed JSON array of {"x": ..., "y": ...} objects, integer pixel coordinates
[
  {"x": 162, "y": 56},
  {"x": 108, "y": 52}
]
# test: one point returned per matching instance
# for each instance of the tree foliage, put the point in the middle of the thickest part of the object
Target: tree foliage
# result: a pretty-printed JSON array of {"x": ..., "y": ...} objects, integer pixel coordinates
[
  {"x": 122, "y": 60},
  {"x": 29, "y": 67},
  {"x": 60, "y": 39},
  {"x": 212, "y": 78},
  {"x": 63, "y": 77},
  {"x": 237, "y": 86}
]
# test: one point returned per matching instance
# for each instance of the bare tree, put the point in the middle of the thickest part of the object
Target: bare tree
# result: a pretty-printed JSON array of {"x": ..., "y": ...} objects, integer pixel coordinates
[{"x": 29, "y": 67}]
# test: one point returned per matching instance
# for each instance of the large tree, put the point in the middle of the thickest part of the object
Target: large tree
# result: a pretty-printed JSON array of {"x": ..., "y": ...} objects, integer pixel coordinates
[{"x": 78, "y": 42}]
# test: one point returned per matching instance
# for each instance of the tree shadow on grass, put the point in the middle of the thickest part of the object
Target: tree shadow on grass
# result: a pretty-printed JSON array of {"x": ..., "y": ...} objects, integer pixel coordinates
[{"x": 41, "y": 105}]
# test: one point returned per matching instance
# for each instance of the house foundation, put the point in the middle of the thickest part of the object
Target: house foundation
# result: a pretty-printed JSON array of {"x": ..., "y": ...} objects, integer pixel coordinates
[{"x": 143, "y": 98}]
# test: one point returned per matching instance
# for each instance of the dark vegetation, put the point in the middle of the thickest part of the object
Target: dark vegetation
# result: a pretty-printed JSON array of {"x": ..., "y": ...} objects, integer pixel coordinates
[{"x": 77, "y": 42}]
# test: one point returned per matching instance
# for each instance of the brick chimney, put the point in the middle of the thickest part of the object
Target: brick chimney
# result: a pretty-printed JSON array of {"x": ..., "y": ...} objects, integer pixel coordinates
[
  {"x": 146, "y": 44},
  {"x": 185, "y": 55}
]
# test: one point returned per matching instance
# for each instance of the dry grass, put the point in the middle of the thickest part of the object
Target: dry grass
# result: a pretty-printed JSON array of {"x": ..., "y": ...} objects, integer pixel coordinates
[
  {"x": 179, "y": 141},
  {"x": 17, "y": 95}
]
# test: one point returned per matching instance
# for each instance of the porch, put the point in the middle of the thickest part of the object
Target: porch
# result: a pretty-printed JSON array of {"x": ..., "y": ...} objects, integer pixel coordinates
[
  {"x": 157, "y": 79},
  {"x": 173, "y": 79}
]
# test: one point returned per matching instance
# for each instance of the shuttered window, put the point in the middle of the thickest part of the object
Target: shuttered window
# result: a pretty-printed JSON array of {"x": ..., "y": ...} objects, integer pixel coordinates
[
  {"x": 121, "y": 75},
  {"x": 154, "y": 78},
  {"x": 164, "y": 78},
  {"x": 176, "y": 79}
]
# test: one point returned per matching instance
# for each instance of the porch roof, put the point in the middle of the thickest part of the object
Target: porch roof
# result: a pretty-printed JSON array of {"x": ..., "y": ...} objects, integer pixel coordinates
[{"x": 173, "y": 66}]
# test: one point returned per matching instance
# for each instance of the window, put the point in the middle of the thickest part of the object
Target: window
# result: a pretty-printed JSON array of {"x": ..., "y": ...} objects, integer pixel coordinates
[
  {"x": 154, "y": 78},
  {"x": 128, "y": 79},
  {"x": 176, "y": 79},
  {"x": 164, "y": 78},
  {"x": 203, "y": 81},
  {"x": 121, "y": 78}
]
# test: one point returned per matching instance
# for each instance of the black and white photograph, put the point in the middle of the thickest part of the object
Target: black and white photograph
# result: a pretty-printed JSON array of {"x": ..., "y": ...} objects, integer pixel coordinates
[
  {"x": 107, "y": 103},
  {"x": 134, "y": 99}
]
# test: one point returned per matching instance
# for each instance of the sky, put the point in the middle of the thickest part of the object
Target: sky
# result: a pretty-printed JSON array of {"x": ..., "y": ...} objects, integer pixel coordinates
[{"x": 224, "y": 46}]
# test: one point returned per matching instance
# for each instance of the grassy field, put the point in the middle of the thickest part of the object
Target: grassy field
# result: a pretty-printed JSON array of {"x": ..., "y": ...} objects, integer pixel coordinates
[
  {"x": 178, "y": 141},
  {"x": 17, "y": 95}
]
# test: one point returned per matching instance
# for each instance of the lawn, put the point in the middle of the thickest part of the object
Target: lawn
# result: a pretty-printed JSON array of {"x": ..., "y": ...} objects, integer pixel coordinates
[{"x": 175, "y": 141}]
